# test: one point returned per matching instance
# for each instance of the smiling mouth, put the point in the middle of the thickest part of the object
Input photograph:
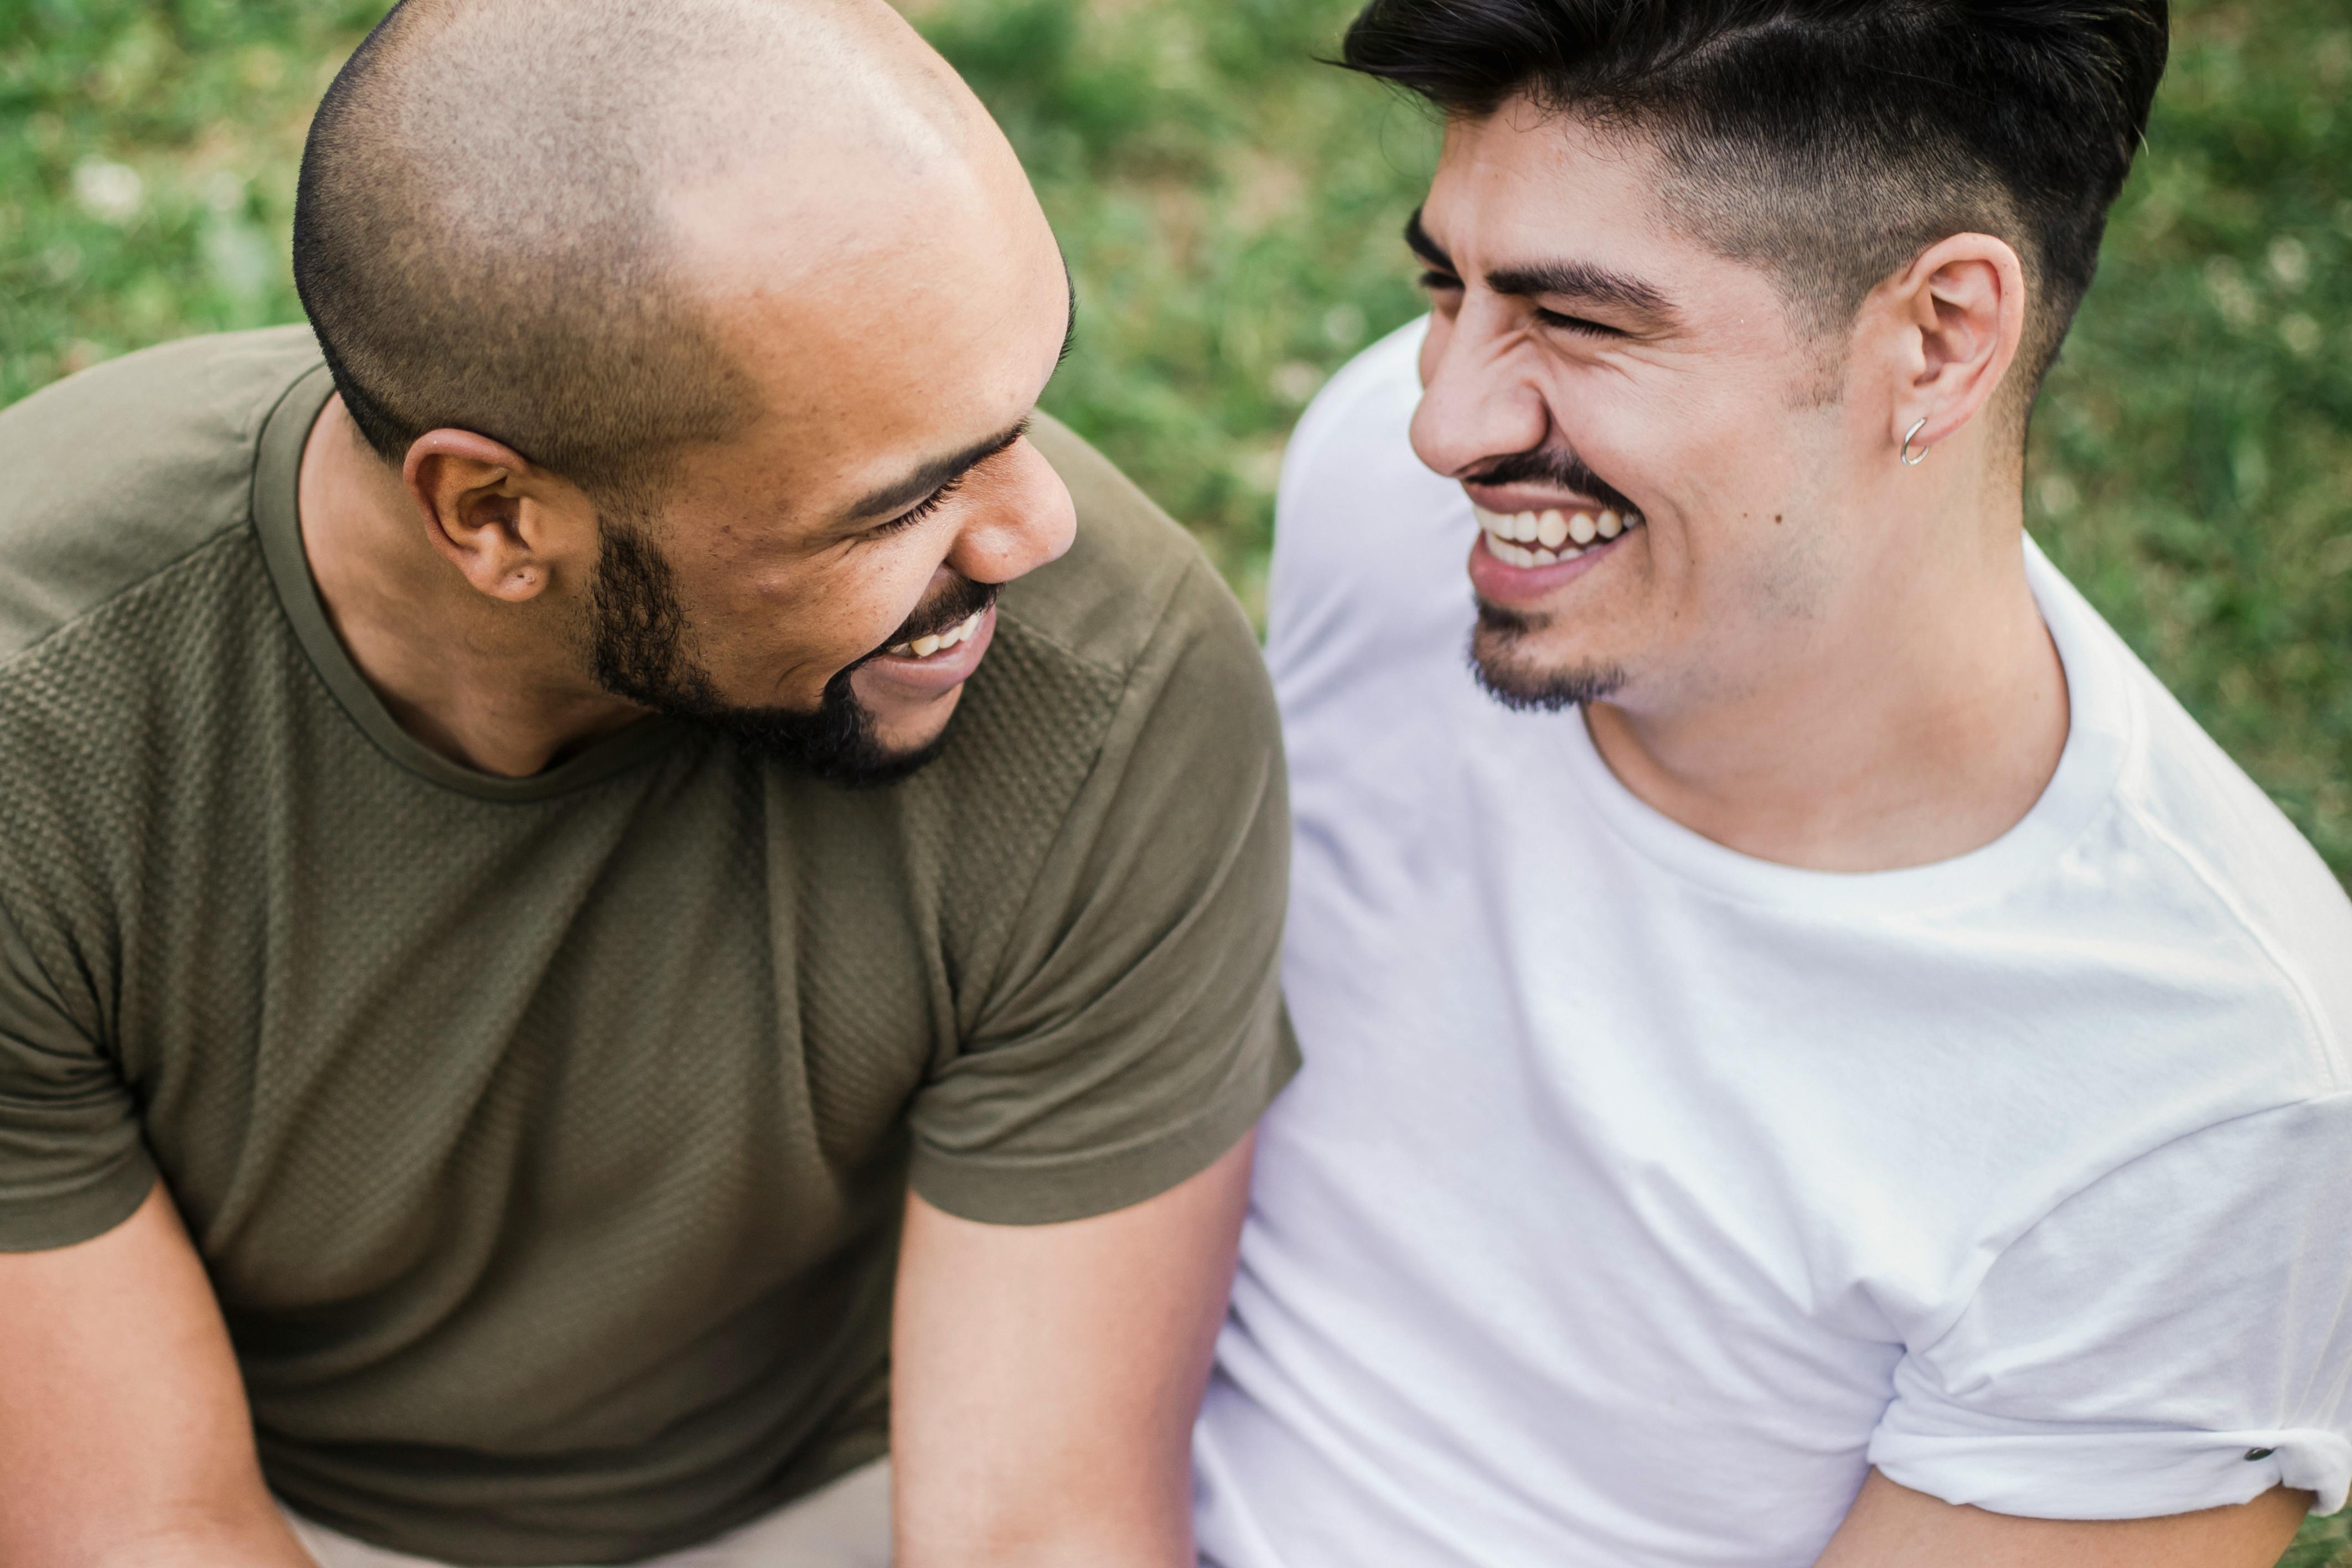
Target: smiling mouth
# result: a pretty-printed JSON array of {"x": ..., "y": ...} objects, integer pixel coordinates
[
  {"x": 962, "y": 632},
  {"x": 1550, "y": 536}
]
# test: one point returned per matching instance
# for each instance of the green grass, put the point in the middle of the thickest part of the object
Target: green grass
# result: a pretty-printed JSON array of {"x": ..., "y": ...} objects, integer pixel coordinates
[{"x": 1231, "y": 211}]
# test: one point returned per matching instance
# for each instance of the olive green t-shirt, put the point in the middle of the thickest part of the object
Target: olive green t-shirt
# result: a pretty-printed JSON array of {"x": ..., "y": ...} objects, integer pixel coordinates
[{"x": 546, "y": 1138}]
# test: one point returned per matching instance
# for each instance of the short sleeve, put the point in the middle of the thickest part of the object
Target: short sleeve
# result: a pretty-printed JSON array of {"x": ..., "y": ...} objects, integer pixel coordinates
[
  {"x": 1139, "y": 1033},
  {"x": 2177, "y": 1336},
  {"x": 72, "y": 1163}
]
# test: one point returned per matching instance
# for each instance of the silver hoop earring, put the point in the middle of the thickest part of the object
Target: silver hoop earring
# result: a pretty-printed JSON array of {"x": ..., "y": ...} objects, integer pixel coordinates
[{"x": 1909, "y": 461}]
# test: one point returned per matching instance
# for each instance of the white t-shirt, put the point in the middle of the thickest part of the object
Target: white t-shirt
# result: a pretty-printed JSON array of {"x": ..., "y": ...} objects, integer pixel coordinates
[{"x": 1638, "y": 1196}]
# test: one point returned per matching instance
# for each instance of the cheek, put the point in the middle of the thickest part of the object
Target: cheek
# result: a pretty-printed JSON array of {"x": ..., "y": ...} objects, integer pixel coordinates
[{"x": 818, "y": 618}]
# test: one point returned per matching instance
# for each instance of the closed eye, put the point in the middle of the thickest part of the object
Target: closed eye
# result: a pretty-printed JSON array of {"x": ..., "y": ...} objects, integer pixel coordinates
[
  {"x": 922, "y": 509},
  {"x": 1439, "y": 281},
  {"x": 1577, "y": 324}
]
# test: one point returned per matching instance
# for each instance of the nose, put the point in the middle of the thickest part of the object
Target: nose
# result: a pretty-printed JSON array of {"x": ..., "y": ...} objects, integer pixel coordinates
[
  {"x": 1024, "y": 518},
  {"x": 1477, "y": 403}
]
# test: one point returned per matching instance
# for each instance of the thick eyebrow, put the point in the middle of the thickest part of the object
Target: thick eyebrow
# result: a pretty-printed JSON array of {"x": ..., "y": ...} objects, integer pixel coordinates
[
  {"x": 1568, "y": 279},
  {"x": 1582, "y": 280},
  {"x": 900, "y": 495},
  {"x": 1428, "y": 249}
]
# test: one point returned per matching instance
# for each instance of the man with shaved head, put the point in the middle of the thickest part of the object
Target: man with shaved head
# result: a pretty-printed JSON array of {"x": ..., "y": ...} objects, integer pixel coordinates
[{"x": 627, "y": 888}]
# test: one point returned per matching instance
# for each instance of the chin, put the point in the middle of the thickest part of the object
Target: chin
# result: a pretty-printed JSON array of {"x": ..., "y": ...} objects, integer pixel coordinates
[
  {"x": 913, "y": 728},
  {"x": 1516, "y": 671}
]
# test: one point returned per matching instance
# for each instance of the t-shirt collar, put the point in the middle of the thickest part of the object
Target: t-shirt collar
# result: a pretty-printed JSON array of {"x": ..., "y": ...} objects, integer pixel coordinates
[
  {"x": 2100, "y": 728},
  {"x": 277, "y": 474}
]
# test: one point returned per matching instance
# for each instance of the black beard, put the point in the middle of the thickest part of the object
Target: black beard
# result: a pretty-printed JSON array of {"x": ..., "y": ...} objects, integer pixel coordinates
[
  {"x": 1517, "y": 684},
  {"x": 1495, "y": 658},
  {"x": 637, "y": 650}
]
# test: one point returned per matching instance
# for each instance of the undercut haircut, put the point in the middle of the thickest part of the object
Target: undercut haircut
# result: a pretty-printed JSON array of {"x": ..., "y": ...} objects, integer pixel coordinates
[
  {"x": 1827, "y": 141},
  {"x": 480, "y": 238}
]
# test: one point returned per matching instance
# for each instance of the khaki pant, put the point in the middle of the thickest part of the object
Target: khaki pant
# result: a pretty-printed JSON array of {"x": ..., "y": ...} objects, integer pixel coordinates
[{"x": 844, "y": 1525}]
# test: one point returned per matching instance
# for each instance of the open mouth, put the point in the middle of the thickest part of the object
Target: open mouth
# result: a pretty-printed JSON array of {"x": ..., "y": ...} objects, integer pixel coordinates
[
  {"x": 954, "y": 636},
  {"x": 1550, "y": 536}
]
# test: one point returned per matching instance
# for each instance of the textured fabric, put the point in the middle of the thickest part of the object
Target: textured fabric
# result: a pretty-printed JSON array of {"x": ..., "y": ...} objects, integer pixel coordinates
[
  {"x": 546, "y": 1138},
  {"x": 845, "y": 1524},
  {"x": 1639, "y": 1196}
]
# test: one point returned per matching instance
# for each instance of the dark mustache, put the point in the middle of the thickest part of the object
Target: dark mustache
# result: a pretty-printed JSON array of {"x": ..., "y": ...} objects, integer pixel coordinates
[
  {"x": 957, "y": 603},
  {"x": 1557, "y": 470}
]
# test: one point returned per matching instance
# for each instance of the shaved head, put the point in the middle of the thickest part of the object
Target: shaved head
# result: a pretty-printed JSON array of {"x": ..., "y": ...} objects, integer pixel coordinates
[
  {"x": 488, "y": 233},
  {"x": 693, "y": 341}
]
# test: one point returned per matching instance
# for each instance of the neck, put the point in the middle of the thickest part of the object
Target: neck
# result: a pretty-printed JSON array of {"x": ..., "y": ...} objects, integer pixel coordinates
[
  {"x": 496, "y": 687},
  {"x": 1919, "y": 721}
]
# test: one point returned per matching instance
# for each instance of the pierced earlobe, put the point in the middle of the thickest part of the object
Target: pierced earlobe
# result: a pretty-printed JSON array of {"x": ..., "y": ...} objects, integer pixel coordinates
[{"x": 1908, "y": 460}]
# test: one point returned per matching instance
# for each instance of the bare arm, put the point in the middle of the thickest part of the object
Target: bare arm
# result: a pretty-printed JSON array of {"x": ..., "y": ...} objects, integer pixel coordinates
[
  {"x": 1045, "y": 1378},
  {"x": 1891, "y": 1526},
  {"x": 124, "y": 1435}
]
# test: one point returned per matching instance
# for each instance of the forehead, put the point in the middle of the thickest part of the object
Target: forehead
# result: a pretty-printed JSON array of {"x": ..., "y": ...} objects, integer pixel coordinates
[
  {"x": 1522, "y": 187},
  {"x": 885, "y": 318}
]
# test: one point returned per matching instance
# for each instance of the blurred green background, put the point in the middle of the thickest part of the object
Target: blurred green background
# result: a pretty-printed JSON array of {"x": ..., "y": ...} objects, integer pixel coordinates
[{"x": 1230, "y": 210}]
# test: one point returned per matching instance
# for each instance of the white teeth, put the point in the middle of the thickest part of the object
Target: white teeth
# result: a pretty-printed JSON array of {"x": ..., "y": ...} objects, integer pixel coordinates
[
  {"x": 962, "y": 632},
  {"x": 1560, "y": 533}
]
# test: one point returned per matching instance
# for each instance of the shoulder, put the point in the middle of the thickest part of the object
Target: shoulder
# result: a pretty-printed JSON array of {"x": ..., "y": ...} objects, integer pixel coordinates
[
  {"x": 2212, "y": 884},
  {"x": 1124, "y": 703},
  {"x": 1369, "y": 604},
  {"x": 1354, "y": 497},
  {"x": 1130, "y": 634},
  {"x": 1134, "y": 596},
  {"x": 126, "y": 468}
]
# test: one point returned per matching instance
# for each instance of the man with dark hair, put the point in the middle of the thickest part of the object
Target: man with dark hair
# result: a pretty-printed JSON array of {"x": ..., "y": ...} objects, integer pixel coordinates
[
  {"x": 467, "y": 1038},
  {"x": 1820, "y": 1061}
]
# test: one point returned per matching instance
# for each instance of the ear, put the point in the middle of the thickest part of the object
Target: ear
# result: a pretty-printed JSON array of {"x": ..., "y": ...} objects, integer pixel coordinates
[
  {"x": 1961, "y": 309},
  {"x": 508, "y": 525}
]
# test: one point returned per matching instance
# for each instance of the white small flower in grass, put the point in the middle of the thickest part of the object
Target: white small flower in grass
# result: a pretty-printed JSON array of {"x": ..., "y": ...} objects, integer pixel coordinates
[
  {"x": 108, "y": 192},
  {"x": 2232, "y": 294},
  {"x": 2059, "y": 496},
  {"x": 2301, "y": 334},
  {"x": 225, "y": 191},
  {"x": 2290, "y": 262},
  {"x": 1295, "y": 380},
  {"x": 1260, "y": 467}
]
